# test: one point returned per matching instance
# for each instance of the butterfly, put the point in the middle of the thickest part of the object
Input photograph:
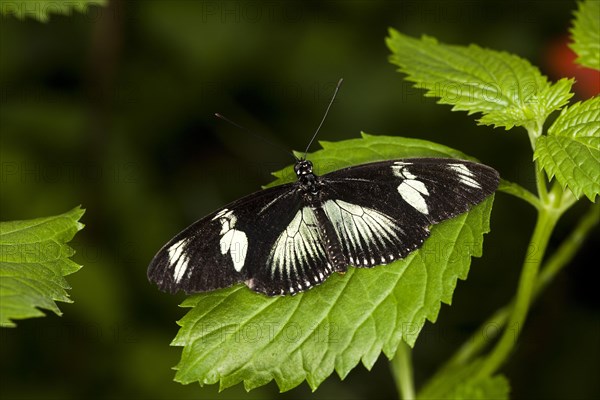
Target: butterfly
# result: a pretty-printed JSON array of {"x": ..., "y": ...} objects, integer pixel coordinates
[{"x": 290, "y": 238}]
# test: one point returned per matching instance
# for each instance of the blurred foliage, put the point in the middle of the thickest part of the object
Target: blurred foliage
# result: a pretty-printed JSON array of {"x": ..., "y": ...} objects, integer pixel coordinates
[
  {"x": 586, "y": 34},
  {"x": 113, "y": 109},
  {"x": 42, "y": 10}
]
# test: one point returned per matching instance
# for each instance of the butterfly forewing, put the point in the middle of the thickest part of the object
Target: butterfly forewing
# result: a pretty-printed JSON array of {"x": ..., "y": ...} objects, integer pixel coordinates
[
  {"x": 418, "y": 189},
  {"x": 382, "y": 211},
  {"x": 289, "y": 238}
]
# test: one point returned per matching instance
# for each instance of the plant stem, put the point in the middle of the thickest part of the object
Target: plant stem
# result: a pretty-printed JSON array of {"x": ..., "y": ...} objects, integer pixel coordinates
[
  {"x": 563, "y": 199},
  {"x": 546, "y": 221},
  {"x": 565, "y": 253},
  {"x": 519, "y": 192},
  {"x": 540, "y": 181},
  {"x": 534, "y": 132},
  {"x": 548, "y": 215},
  {"x": 403, "y": 372},
  {"x": 568, "y": 248}
]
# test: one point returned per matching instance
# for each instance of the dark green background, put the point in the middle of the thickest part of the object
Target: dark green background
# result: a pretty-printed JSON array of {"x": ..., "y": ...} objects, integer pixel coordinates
[{"x": 114, "y": 110}]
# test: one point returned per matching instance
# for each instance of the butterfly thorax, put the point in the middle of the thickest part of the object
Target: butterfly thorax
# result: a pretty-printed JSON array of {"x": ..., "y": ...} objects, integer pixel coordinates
[{"x": 309, "y": 181}]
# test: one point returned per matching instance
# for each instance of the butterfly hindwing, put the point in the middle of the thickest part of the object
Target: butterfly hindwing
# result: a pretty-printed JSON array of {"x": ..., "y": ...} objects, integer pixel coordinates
[{"x": 297, "y": 259}]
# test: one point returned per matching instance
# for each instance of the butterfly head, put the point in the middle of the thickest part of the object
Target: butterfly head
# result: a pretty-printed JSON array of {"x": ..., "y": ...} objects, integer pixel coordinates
[{"x": 303, "y": 167}]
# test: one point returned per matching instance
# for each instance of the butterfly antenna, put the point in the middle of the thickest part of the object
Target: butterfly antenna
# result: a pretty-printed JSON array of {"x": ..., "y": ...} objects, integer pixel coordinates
[
  {"x": 254, "y": 134},
  {"x": 324, "y": 116}
]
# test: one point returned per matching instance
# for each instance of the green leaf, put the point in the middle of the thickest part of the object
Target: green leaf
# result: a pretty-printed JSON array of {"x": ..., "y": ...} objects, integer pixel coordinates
[
  {"x": 506, "y": 89},
  {"x": 41, "y": 9},
  {"x": 490, "y": 388},
  {"x": 586, "y": 34},
  {"x": 571, "y": 151},
  {"x": 33, "y": 260},
  {"x": 235, "y": 335},
  {"x": 458, "y": 384}
]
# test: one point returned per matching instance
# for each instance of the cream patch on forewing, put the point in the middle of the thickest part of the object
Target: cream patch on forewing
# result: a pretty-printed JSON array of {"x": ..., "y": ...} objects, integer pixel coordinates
[
  {"x": 178, "y": 259},
  {"x": 465, "y": 175},
  {"x": 233, "y": 241},
  {"x": 411, "y": 190}
]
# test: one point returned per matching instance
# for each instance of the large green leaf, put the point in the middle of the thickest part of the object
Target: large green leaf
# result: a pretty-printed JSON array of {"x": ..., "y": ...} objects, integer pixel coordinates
[
  {"x": 34, "y": 258},
  {"x": 42, "y": 9},
  {"x": 571, "y": 151},
  {"x": 235, "y": 335},
  {"x": 337, "y": 155},
  {"x": 586, "y": 34},
  {"x": 506, "y": 89}
]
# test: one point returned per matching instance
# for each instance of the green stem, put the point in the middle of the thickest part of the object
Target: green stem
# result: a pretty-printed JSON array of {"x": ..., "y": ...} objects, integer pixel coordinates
[
  {"x": 540, "y": 181},
  {"x": 519, "y": 192},
  {"x": 480, "y": 339},
  {"x": 534, "y": 133},
  {"x": 403, "y": 372},
  {"x": 562, "y": 257},
  {"x": 562, "y": 199},
  {"x": 483, "y": 336},
  {"x": 546, "y": 221},
  {"x": 548, "y": 215},
  {"x": 568, "y": 248}
]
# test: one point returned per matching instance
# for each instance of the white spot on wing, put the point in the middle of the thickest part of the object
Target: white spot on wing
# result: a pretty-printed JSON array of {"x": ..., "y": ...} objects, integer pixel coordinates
[
  {"x": 222, "y": 214},
  {"x": 236, "y": 242},
  {"x": 465, "y": 175},
  {"x": 233, "y": 241},
  {"x": 411, "y": 189},
  {"x": 413, "y": 196},
  {"x": 178, "y": 259}
]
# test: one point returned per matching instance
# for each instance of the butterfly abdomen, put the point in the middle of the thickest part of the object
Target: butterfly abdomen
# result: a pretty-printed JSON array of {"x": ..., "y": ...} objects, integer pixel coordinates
[{"x": 333, "y": 247}]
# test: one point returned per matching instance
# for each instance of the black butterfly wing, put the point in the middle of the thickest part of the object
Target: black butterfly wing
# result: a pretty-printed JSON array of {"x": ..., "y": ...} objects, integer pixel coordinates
[
  {"x": 268, "y": 240},
  {"x": 382, "y": 211}
]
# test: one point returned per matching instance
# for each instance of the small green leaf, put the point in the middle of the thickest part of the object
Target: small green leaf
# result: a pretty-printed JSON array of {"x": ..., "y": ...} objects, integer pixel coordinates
[
  {"x": 579, "y": 120},
  {"x": 235, "y": 335},
  {"x": 41, "y": 9},
  {"x": 458, "y": 383},
  {"x": 586, "y": 34},
  {"x": 506, "y": 89},
  {"x": 490, "y": 388},
  {"x": 571, "y": 151},
  {"x": 33, "y": 260}
]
